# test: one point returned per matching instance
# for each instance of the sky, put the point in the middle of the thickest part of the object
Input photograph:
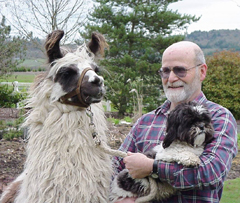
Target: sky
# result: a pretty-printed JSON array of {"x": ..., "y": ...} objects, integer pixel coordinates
[{"x": 216, "y": 14}]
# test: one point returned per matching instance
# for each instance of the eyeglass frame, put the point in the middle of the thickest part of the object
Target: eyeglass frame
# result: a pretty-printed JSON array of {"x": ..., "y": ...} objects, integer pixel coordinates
[{"x": 171, "y": 69}]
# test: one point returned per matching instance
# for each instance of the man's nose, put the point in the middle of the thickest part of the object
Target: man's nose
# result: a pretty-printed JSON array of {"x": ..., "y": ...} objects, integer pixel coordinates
[{"x": 172, "y": 77}]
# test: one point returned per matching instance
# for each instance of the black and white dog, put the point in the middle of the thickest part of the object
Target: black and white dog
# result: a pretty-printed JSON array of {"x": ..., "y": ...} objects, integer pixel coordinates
[{"x": 188, "y": 129}]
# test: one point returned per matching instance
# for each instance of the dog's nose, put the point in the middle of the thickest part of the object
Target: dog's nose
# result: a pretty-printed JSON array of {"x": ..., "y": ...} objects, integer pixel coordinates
[{"x": 201, "y": 126}]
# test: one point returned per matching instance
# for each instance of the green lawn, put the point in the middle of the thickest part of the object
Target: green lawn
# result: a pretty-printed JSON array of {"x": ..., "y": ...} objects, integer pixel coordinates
[
  {"x": 231, "y": 193},
  {"x": 20, "y": 77},
  {"x": 33, "y": 63}
]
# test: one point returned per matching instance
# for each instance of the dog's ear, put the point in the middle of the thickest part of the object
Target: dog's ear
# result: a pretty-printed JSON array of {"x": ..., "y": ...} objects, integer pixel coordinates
[
  {"x": 168, "y": 140},
  {"x": 171, "y": 130},
  {"x": 209, "y": 134}
]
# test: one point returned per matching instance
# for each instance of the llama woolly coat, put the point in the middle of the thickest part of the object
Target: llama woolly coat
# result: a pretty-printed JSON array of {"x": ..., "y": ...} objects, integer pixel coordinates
[{"x": 64, "y": 166}]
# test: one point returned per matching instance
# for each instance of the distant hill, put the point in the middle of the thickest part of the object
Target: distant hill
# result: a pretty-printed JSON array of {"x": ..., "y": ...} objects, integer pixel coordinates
[
  {"x": 210, "y": 42},
  {"x": 216, "y": 40}
]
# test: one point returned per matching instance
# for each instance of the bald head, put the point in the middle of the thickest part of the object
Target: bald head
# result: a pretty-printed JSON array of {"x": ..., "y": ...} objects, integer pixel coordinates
[{"x": 186, "y": 50}]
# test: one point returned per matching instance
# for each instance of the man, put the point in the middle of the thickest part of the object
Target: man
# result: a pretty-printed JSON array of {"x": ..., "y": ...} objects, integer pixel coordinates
[{"x": 183, "y": 70}]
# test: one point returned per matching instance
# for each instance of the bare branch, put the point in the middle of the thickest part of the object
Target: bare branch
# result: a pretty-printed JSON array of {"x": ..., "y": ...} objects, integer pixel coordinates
[{"x": 37, "y": 18}]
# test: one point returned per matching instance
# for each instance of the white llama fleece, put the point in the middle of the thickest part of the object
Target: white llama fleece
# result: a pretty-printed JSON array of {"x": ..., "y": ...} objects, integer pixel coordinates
[{"x": 63, "y": 165}]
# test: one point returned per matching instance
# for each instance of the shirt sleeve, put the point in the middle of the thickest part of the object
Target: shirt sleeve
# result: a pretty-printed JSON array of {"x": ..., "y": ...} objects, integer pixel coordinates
[{"x": 216, "y": 160}]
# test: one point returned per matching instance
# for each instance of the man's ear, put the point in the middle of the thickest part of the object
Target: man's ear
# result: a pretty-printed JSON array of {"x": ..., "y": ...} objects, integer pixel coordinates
[{"x": 203, "y": 71}]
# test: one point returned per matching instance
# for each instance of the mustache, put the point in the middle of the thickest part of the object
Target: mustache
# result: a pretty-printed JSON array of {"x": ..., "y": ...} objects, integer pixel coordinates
[{"x": 175, "y": 84}]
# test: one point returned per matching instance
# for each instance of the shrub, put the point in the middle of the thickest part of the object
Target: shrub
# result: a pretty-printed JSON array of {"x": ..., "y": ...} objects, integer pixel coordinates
[
  {"x": 9, "y": 99},
  {"x": 13, "y": 133},
  {"x": 222, "y": 84}
]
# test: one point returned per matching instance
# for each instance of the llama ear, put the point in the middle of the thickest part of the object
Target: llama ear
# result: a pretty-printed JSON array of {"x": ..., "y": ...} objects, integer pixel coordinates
[
  {"x": 52, "y": 45},
  {"x": 97, "y": 44}
]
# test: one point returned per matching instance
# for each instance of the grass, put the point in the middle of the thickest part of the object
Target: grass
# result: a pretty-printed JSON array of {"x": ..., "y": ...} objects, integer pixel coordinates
[
  {"x": 19, "y": 77},
  {"x": 33, "y": 63},
  {"x": 231, "y": 192}
]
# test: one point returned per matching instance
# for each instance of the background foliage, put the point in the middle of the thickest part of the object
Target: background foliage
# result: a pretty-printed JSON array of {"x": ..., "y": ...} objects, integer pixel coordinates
[
  {"x": 11, "y": 49},
  {"x": 9, "y": 99},
  {"x": 137, "y": 33},
  {"x": 222, "y": 84}
]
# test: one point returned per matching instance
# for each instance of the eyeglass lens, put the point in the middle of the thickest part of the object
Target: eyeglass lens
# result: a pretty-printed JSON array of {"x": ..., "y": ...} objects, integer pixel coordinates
[{"x": 178, "y": 70}]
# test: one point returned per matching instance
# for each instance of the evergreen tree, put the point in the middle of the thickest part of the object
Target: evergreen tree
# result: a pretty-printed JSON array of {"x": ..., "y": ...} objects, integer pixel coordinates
[
  {"x": 11, "y": 49},
  {"x": 137, "y": 33}
]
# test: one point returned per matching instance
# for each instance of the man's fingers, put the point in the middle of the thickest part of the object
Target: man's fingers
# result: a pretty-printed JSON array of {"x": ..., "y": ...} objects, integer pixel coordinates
[{"x": 129, "y": 153}]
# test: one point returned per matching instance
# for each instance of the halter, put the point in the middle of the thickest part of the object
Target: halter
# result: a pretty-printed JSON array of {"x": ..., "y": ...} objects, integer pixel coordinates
[{"x": 77, "y": 91}]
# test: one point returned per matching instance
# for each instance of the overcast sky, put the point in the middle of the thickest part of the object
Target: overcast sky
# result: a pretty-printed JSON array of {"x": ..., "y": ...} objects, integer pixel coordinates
[{"x": 216, "y": 14}]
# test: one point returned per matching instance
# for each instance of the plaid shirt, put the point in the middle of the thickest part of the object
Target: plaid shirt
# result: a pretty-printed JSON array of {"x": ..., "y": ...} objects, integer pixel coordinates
[{"x": 203, "y": 183}]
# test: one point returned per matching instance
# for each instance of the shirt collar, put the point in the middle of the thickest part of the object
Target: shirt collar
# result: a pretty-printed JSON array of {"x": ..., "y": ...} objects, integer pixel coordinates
[{"x": 164, "y": 108}]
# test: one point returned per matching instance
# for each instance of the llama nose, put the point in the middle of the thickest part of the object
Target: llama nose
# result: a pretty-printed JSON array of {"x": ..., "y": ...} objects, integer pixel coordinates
[{"x": 97, "y": 80}]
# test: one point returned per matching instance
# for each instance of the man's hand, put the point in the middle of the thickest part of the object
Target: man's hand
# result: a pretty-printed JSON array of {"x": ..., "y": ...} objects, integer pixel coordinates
[{"x": 138, "y": 164}]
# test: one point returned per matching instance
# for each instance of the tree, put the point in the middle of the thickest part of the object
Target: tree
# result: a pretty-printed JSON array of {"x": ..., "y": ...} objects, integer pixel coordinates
[
  {"x": 137, "y": 32},
  {"x": 37, "y": 18},
  {"x": 222, "y": 84},
  {"x": 11, "y": 50}
]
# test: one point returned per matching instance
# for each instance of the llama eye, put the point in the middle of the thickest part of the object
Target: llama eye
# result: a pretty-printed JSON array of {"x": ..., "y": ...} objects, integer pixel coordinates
[
  {"x": 95, "y": 68},
  {"x": 65, "y": 73}
]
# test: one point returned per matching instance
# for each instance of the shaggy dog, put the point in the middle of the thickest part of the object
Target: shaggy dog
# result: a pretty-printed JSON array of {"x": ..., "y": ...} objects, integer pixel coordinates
[
  {"x": 188, "y": 130},
  {"x": 63, "y": 164}
]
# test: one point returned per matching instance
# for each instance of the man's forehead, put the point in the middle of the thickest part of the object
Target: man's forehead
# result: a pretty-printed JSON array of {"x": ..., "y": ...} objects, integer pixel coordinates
[{"x": 179, "y": 52}]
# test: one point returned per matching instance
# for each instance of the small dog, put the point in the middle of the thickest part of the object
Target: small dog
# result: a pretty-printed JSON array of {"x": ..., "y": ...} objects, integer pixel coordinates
[{"x": 188, "y": 129}]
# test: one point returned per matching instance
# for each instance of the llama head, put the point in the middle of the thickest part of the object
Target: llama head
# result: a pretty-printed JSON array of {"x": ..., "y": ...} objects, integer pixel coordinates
[
  {"x": 74, "y": 74},
  {"x": 190, "y": 123}
]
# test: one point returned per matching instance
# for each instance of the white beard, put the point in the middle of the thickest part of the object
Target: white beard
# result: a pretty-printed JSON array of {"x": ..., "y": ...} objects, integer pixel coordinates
[{"x": 177, "y": 96}]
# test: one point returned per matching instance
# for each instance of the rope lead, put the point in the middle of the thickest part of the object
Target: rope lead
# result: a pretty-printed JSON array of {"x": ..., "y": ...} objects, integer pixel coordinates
[{"x": 105, "y": 148}]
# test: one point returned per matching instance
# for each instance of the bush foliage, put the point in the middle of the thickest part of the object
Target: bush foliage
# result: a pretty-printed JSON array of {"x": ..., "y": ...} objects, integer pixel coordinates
[
  {"x": 12, "y": 49},
  {"x": 9, "y": 99},
  {"x": 222, "y": 84}
]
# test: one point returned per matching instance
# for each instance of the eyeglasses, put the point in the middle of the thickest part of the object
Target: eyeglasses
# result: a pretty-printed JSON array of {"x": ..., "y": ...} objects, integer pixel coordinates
[{"x": 179, "y": 71}]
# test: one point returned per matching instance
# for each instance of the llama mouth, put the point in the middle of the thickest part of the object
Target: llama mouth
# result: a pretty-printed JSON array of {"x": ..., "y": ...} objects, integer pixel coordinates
[
  {"x": 90, "y": 99},
  {"x": 95, "y": 98}
]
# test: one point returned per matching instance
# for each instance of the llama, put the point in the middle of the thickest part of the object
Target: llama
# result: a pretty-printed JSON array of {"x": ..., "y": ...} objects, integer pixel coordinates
[{"x": 63, "y": 164}]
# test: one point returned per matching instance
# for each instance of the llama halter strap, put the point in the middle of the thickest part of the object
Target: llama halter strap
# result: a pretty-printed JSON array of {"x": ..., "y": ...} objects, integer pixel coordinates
[{"x": 65, "y": 99}]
